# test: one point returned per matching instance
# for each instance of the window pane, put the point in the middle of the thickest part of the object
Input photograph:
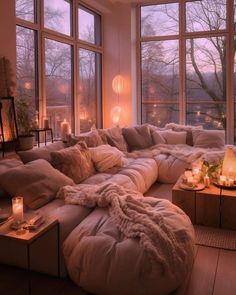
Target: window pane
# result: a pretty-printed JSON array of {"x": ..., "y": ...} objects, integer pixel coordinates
[
  {"x": 57, "y": 15},
  {"x": 89, "y": 26},
  {"x": 90, "y": 95},
  {"x": 160, "y": 114},
  {"x": 205, "y": 15},
  {"x": 160, "y": 20},
  {"x": 206, "y": 81},
  {"x": 211, "y": 116},
  {"x": 25, "y": 10},
  {"x": 58, "y": 84},
  {"x": 235, "y": 13},
  {"x": 160, "y": 79},
  {"x": 25, "y": 72}
]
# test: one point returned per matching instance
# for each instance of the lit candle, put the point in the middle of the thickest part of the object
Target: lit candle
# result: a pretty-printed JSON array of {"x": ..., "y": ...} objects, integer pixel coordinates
[
  {"x": 17, "y": 209},
  {"x": 188, "y": 173},
  {"x": 207, "y": 181},
  {"x": 190, "y": 181},
  {"x": 231, "y": 182},
  {"x": 222, "y": 179},
  {"x": 65, "y": 129}
]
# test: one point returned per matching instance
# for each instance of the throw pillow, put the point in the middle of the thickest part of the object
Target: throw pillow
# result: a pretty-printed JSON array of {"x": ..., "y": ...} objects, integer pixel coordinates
[
  {"x": 209, "y": 138},
  {"x": 174, "y": 137},
  {"x": 138, "y": 137},
  {"x": 75, "y": 162},
  {"x": 37, "y": 181},
  {"x": 157, "y": 137},
  {"x": 106, "y": 157},
  {"x": 92, "y": 138},
  {"x": 113, "y": 136},
  {"x": 5, "y": 165},
  {"x": 187, "y": 128}
]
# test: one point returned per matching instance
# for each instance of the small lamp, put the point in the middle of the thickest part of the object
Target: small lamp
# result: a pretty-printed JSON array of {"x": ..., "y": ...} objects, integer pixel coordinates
[
  {"x": 118, "y": 84},
  {"x": 229, "y": 164}
]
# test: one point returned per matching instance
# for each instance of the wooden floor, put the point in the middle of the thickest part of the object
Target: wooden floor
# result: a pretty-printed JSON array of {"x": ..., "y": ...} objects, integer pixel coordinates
[{"x": 213, "y": 273}]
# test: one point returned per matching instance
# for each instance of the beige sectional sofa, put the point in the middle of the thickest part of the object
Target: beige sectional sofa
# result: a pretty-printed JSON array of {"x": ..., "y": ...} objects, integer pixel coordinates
[{"x": 133, "y": 158}]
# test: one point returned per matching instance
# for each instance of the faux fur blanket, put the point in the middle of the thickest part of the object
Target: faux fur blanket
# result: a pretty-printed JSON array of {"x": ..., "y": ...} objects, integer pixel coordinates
[
  {"x": 136, "y": 217},
  {"x": 183, "y": 152}
]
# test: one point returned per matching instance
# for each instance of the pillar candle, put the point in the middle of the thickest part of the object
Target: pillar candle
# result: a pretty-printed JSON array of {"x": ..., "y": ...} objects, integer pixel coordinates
[{"x": 65, "y": 129}]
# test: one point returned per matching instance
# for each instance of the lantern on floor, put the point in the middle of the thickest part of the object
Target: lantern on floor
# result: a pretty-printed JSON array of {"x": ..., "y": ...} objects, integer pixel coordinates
[{"x": 229, "y": 164}]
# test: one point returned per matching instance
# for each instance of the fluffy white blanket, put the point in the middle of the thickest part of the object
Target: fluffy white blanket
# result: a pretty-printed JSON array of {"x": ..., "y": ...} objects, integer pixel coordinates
[
  {"x": 136, "y": 217},
  {"x": 186, "y": 153}
]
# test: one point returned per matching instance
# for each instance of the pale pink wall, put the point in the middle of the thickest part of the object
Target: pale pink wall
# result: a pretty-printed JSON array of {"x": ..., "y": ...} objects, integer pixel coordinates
[
  {"x": 117, "y": 28},
  {"x": 7, "y": 31}
]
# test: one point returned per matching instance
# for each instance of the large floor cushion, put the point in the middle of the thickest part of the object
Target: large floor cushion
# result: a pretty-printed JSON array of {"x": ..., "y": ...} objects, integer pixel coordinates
[{"x": 103, "y": 261}]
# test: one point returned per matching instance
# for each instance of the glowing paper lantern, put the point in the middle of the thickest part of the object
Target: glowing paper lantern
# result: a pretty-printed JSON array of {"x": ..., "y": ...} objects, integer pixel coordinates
[
  {"x": 118, "y": 84},
  {"x": 116, "y": 115},
  {"x": 229, "y": 163}
]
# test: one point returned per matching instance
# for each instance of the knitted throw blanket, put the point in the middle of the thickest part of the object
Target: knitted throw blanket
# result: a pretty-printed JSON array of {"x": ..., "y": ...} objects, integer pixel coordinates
[{"x": 135, "y": 216}]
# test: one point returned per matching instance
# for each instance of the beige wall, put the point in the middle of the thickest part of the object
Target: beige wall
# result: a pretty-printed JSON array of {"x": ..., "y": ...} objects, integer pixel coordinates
[
  {"x": 7, "y": 31},
  {"x": 117, "y": 60}
]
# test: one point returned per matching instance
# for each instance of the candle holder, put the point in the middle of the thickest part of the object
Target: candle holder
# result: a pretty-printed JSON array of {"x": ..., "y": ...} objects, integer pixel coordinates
[{"x": 17, "y": 212}]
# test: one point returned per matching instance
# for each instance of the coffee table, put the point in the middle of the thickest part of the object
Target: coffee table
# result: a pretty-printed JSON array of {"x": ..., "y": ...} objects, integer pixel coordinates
[{"x": 211, "y": 206}]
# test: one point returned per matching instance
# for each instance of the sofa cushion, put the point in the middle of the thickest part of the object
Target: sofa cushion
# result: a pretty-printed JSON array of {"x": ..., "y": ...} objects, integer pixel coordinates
[
  {"x": 114, "y": 137},
  {"x": 5, "y": 165},
  {"x": 138, "y": 137},
  {"x": 37, "y": 181},
  {"x": 75, "y": 162},
  {"x": 40, "y": 153},
  {"x": 209, "y": 138},
  {"x": 92, "y": 138},
  {"x": 173, "y": 137},
  {"x": 105, "y": 157},
  {"x": 157, "y": 137},
  {"x": 187, "y": 128}
]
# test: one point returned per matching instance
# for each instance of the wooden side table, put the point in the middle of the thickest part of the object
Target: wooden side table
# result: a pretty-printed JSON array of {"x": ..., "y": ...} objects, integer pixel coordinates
[
  {"x": 37, "y": 250},
  {"x": 42, "y": 130},
  {"x": 203, "y": 207}
]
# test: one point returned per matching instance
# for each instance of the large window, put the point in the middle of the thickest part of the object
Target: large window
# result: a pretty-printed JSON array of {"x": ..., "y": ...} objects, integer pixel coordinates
[
  {"x": 60, "y": 76},
  {"x": 89, "y": 69},
  {"x": 26, "y": 71},
  {"x": 185, "y": 55}
]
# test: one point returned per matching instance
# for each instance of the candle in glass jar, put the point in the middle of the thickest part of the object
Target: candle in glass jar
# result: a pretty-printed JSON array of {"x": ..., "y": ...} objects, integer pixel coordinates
[{"x": 17, "y": 209}]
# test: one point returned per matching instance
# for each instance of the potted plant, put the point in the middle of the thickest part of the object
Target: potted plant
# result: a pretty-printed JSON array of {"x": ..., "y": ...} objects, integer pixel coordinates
[{"x": 24, "y": 117}]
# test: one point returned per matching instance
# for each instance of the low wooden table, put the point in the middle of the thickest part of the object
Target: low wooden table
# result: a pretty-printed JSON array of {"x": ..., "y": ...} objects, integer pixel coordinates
[
  {"x": 212, "y": 206},
  {"x": 36, "y": 250}
]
